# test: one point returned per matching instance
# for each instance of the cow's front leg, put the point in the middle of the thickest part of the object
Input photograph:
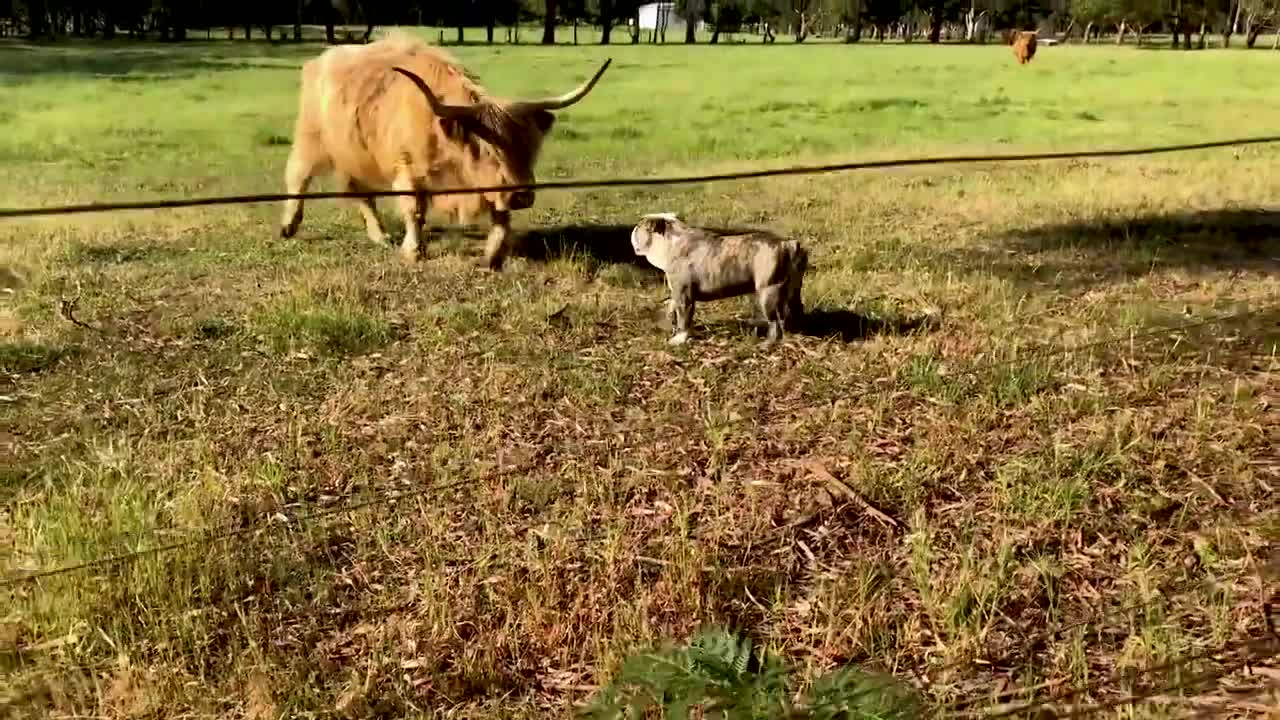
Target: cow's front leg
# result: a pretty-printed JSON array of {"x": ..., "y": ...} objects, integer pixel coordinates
[
  {"x": 495, "y": 248},
  {"x": 413, "y": 210}
]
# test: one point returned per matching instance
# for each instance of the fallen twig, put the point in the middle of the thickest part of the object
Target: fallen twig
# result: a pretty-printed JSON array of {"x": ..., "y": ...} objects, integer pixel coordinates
[
  {"x": 67, "y": 309},
  {"x": 820, "y": 471}
]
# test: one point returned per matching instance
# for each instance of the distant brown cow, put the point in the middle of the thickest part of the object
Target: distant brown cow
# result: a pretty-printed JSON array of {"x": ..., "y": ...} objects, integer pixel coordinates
[
  {"x": 398, "y": 114},
  {"x": 1024, "y": 46}
]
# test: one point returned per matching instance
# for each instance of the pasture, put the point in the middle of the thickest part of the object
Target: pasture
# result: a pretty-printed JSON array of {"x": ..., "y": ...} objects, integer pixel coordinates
[{"x": 1054, "y": 517}]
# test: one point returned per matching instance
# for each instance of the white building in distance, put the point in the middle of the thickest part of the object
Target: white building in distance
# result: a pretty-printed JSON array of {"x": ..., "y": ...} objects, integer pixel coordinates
[{"x": 651, "y": 13}]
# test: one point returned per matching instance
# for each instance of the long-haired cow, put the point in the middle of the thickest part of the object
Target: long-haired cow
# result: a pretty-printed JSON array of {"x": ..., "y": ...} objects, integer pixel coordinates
[
  {"x": 398, "y": 114},
  {"x": 1024, "y": 45}
]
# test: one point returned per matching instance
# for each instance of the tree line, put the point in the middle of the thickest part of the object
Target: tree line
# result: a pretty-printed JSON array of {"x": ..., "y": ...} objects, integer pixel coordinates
[{"x": 1189, "y": 21}]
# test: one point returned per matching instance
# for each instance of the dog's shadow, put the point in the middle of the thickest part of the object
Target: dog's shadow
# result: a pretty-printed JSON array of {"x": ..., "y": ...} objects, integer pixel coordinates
[
  {"x": 611, "y": 245},
  {"x": 846, "y": 325}
]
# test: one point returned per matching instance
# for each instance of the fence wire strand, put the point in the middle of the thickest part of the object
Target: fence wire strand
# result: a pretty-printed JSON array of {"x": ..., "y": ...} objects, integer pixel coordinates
[
  {"x": 634, "y": 182},
  {"x": 215, "y": 536}
]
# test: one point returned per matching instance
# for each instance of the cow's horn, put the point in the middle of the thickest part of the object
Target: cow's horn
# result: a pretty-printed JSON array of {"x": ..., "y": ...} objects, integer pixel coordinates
[
  {"x": 437, "y": 107},
  {"x": 569, "y": 98}
]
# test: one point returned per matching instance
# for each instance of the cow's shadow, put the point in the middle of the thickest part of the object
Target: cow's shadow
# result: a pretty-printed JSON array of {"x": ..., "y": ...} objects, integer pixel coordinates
[
  {"x": 603, "y": 244},
  {"x": 598, "y": 244}
]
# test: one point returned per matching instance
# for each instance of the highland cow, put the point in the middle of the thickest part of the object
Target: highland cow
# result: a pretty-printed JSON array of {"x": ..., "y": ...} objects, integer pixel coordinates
[
  {"x": 1024, "y": 46},
  {"x": 398, "y": 114}
]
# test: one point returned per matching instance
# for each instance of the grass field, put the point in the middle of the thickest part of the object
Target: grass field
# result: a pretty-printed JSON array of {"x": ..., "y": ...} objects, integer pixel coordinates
[{"x": 1055, "y": 518}]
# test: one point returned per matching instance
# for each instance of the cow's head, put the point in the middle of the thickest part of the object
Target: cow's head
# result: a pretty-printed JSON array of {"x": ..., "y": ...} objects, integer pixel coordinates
[{"x": 504, "y": 136}]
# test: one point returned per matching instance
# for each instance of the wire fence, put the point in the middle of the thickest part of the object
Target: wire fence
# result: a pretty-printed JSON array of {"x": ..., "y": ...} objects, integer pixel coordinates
[{"x": 12, "y": 213}]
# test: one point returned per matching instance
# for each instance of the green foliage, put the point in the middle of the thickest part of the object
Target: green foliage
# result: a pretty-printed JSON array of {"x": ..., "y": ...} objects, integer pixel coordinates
[{"x": 716, "y": 674}]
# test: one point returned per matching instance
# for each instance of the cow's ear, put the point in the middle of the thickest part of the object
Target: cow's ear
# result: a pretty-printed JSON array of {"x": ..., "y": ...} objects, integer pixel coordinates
[
  {"x": 544, "y": 120},
  {"x": 660, "y": 226}
]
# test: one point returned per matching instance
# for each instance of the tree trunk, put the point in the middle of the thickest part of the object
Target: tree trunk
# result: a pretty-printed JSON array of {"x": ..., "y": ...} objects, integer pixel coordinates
[
  {"x": 38, "y": 20},
  {"x": 1087, "y": 30},
  {"x": 1200, "y": 42},
  {"x": 606, "y": 21},
  {"x": 549, "y": 24},
  {"x": 77, "y": 26},
  {"x": 1124, "y": 27},
  {"x": 297, "y": 22},
  {"x": 248, "y": 32},
  {"x": 1233, "y": 12},
  {"x": 935, "y": 22},
  {"x": 488, "y": 31},
  {"x": 329, "y": 35},
  {"x": 691, "y": 22},
  {"x": 635, "y": 27},
  {"x": 1251, "y": 38}
]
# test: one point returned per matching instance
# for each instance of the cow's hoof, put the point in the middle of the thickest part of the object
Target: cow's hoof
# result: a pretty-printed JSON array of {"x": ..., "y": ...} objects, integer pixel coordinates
[
  {"x": 408, "y": 257},
  {"x": 679, "y": 339},
  {"x": 287, "y": 231}
]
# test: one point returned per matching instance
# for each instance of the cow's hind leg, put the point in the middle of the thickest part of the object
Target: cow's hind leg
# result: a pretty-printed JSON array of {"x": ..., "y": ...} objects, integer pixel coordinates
[
  {"x": 304, "y": 164},
  {"x": 368, "y": 210}
]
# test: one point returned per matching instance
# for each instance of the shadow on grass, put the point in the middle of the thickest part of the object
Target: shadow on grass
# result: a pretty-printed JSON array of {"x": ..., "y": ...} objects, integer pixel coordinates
[
  {"x": 1096, "y": 251},
  {"x": 602, "y": 244},
  {"x": 611, "y": 245},
  {"x": 847, "y": 325},
  {"x": 605, "y": 244}
]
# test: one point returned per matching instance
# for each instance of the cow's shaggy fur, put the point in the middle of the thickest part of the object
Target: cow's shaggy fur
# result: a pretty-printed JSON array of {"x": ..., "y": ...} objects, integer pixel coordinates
[{"x": 1024, "y": 46}]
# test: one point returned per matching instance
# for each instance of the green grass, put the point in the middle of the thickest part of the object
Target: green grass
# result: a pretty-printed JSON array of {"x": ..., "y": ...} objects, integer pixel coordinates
[{"x": 608, "y": 493}]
